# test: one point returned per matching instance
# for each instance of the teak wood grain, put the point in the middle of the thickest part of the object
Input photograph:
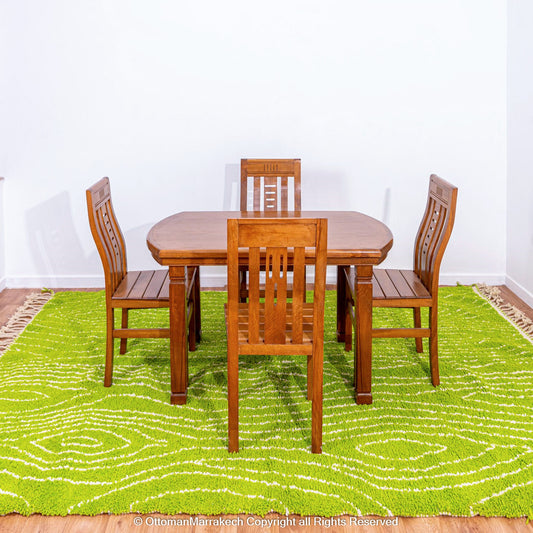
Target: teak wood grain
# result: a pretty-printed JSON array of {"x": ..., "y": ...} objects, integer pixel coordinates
[
  {"x": 130, "y": 289},
  {"x": 199, "y": 238},
  {"x": 276, "y": 326},
  {"x": 418, "y": 287}
]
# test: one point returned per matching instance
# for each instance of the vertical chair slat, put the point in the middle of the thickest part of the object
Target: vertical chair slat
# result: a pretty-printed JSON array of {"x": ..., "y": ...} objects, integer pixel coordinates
[
  {"x": 422, "y": 242},
  {"x": 244, "y": 187},
  {"x": 284, "y": 186},
  {"x": 272, "y": 266},
  {"x": 113, "y": 272},
  {"x": 298, "y": 286},
  {"x": 270, "y": 192},
  {"x": 425, "y": 245},
  {"x": 253, "y": 301},
  {"x": 433, "y": 248},
  {"x": 257, "y": 193}
]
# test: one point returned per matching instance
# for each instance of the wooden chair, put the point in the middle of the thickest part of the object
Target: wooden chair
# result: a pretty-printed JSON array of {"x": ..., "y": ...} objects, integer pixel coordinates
[
  {"x": 130, "y": 290},
  {"x": 271, "y": 178},
  {"x": 418, "y": 287},
  {"x": 276, "y": 326},
  {"x": 270, "y": 192}
]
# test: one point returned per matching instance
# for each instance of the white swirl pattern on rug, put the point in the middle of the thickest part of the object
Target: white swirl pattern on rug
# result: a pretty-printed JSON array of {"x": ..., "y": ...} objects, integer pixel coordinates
[{"x": 69, "y": 445}]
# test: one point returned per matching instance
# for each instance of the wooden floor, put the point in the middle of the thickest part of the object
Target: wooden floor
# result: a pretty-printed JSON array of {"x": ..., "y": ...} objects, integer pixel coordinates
[
  {"x": 156, "y": 523},
  {"x": 11, "y": 299}
]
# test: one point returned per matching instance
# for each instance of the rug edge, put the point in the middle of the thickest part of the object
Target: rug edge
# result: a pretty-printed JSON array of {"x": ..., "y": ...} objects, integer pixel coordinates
[
  {"x": 511, "y": 313},
  {"x": 18, "y": 321}
]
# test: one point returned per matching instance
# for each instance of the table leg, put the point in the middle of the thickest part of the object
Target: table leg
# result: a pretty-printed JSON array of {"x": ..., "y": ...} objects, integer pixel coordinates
[
  {"x": 363, "y": 319},
  {"x": 178, "y": 336},
  {"x": 341, "y": 304}
]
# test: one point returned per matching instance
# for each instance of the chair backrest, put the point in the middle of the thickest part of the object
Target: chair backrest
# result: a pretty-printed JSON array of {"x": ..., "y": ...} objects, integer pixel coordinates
[
  {"x": 434, "y": 231},
  {"x": 107, "y": 234},
  {"x": 276, "y": 243},
  {"x": 271, "y": 177}
]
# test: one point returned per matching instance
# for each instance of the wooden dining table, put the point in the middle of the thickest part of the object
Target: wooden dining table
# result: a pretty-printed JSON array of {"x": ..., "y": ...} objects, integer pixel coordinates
[{"x": 199, "y": 238}]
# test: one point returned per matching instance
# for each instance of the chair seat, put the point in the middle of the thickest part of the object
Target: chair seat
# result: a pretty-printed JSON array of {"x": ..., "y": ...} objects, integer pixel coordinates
[
  {"x": 391, "y": 284},
  {"x": 307, "y": 323},
  {"x": 143, "y": 285}
]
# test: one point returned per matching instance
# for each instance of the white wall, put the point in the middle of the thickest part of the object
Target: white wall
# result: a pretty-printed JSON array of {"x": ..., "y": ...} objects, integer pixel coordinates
[
  {"x": 520, "y": 151},
  {"x": 2, "y": 245},
  {"x": 166, "y": 97}
]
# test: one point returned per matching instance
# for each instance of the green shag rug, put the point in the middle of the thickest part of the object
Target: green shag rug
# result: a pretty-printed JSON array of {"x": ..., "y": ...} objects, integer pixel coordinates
[{"x": 70, "y": 446}]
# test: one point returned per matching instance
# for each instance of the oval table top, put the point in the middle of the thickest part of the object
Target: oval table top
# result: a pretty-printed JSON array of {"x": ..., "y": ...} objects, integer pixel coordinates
[{"x": 199, "y": 237}]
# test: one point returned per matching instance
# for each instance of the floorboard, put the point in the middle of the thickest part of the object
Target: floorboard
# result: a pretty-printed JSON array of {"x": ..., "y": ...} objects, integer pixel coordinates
[{"x": 152, "y": 523}]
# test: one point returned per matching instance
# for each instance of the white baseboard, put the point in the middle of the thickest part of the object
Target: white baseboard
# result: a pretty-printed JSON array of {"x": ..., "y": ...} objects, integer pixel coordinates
[
  {"x": 3, "y": 284},
  {"x": 216, "y": 279},
  {"x": 470, "y": 279},
  {"x": 520, "y": 291},
  {"x": 55, "y": 282}
]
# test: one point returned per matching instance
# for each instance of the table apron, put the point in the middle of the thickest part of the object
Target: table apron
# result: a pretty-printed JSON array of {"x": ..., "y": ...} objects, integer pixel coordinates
[{"x": 195, "y": 261}]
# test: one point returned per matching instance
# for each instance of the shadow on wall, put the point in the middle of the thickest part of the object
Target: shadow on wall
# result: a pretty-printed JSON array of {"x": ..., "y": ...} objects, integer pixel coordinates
[
  {"x": 325, "y": 190},
  {"x": 55, "y": 246},
  {"x": 386, "y": 206},
  {"x": 528, "y": 281},
  {"x": 2, "y": 243},
  {"x": 321, "y": 190},
  {"x": 232, "y": 187},
  {"x": 138, "y": 254}
]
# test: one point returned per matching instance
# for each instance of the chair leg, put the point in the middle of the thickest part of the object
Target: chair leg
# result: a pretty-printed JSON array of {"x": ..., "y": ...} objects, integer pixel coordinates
[
  {"x": 418, "y": 324},
  {"x": 108, "y": 375},
  {"x": 309, "y": 377},
  {"x": 192, "y": 328},
  {"x": 354, "y": 331},
  {"x": 124, "y": 342},
  {"x": 348, "y": 336},
  {"x": 233, "y": 400},
  {"x": 197, "y": 309},
  {"x": 242, "y": 276},
  {"x": 316, "y": 407},
  {"x": 434, "y": 346}
]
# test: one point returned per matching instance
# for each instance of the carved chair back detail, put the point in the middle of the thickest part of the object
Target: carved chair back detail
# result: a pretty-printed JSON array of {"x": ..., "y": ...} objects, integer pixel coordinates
[
  {"x": 110, "y": 240},
  {"x": 270, "y": 184},
  {"x": 434, "y": 232}
]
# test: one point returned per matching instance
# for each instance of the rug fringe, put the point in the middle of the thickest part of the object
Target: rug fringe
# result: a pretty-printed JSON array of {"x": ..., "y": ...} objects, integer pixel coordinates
[
  {"x": 21, "y": 318},
  {"x": 512, "y": 313}
]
